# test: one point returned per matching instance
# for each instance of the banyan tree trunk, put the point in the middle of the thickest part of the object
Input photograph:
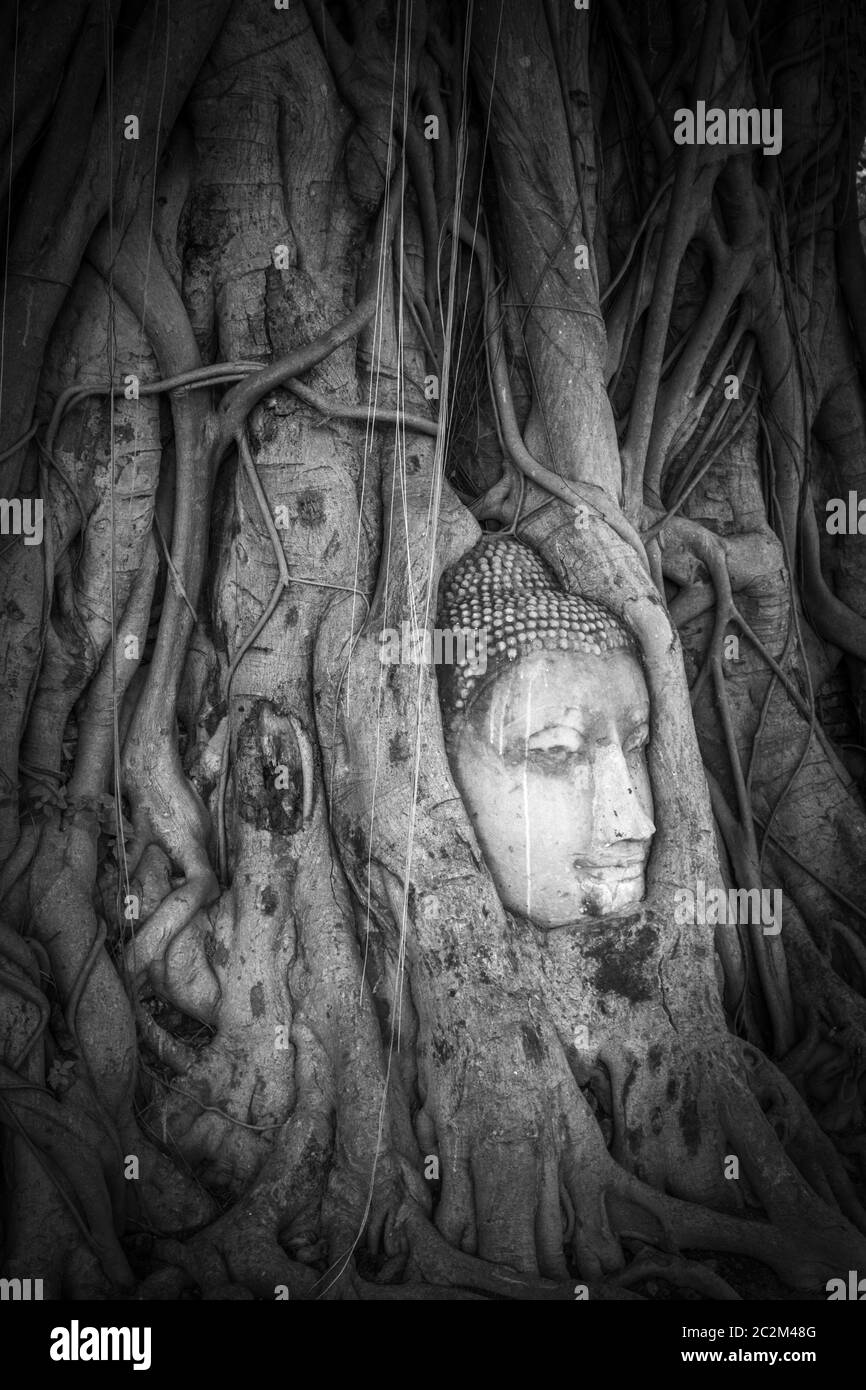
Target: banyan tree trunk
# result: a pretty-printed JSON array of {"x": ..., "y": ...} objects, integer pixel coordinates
[{"x": 370, "y": 278}]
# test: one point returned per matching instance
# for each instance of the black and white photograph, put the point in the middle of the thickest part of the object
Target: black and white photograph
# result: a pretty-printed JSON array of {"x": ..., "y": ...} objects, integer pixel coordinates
[{"x": 432, "y": 672}]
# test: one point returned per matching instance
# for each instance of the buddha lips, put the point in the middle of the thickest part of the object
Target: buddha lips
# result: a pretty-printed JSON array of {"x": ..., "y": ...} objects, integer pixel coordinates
[{"x": 502, "y": 589}]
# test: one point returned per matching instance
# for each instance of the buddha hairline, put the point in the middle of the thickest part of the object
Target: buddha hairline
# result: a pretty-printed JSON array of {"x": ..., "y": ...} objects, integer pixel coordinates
[{"x": 502, "y": 589}]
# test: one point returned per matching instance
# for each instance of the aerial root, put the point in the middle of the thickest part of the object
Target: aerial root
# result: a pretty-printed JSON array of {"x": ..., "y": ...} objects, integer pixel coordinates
[
  {"x": 812, "y": 1247},
  {"x": 433, "y": 1261},
  {"x": 240, "y": 1251},
  {"x": 682, "y": 1273},
  {"x": 808, "y": 1145}
]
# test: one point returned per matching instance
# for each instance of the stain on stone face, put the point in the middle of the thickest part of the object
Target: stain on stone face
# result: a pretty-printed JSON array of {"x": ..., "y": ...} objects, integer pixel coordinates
[
  {"x": 654, "y": 1057},
  {"x": 257, "y": 1001}
]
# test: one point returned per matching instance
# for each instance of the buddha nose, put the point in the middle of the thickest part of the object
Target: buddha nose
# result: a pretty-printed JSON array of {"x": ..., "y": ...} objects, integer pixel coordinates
[{"x": 618, "y": 812}]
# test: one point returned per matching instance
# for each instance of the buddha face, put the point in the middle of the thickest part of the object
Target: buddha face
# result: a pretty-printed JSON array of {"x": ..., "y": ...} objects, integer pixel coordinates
[{"x": 551, "y": 764}]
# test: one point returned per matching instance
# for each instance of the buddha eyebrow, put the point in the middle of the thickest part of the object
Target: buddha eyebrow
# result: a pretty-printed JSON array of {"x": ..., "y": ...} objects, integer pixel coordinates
[
  {"x": 557, "y": 728},
  {"x": 520, "y": 724}
]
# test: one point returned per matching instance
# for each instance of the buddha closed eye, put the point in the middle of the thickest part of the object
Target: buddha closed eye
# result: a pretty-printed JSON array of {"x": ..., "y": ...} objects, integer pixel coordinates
[{"x": 549, "y": 755}]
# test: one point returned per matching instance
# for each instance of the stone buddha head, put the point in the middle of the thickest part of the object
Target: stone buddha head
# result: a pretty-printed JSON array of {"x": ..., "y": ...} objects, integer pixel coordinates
[{"x": 547, "y": 737}]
